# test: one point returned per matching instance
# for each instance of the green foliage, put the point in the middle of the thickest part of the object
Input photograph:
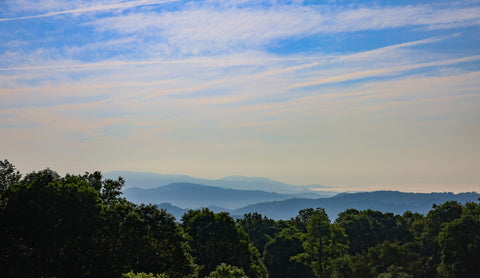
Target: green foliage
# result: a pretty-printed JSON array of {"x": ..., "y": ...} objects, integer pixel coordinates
[
  {"x": 259, "y": 229},
  {"x": 459, "y": 243},
  {"x": 300, "y": 221},
  {"x": 49, "y": 229},
  {"x": 8, "y": 175},
  {"x": 144, "y": 239},
  {"x": 368, "y": 228},
  {"x": 324, "y": 244},
  {"x": 388, "y": 255},
  {"x": 227, "y": 271},
  {"x": 394, "y": 272},
  {"x": 439, "y": 215},
  {"x": 279, "y": 251},
  {"x": 80, "y": 226},
  {"x": 132, "y": 274},
  {"x": 428, "y": 230},
  {"x": 215, "y": 239}
]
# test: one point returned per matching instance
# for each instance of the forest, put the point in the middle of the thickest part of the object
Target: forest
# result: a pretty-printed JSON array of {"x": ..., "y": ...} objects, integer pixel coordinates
[{"x": 81, "y": 226}]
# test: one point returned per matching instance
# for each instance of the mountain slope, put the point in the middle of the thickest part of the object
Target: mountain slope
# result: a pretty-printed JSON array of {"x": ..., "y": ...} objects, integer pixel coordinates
[
  {"x": 385, "y": 201},
  {"x": 189, "y": 195},
  {"x": 173, "y": 210},
  {"x": 152, "y": 180}
]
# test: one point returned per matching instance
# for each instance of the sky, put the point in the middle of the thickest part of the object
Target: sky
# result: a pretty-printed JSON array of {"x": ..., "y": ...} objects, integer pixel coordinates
[{"x": 354, "y": 95}]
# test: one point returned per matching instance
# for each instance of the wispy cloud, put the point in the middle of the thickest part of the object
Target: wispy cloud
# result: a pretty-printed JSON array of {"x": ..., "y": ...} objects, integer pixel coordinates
[
  {"x": 200, "y": 28},
  {"x": 292, "y": 88},
  {"x": 384, "y": 71},
  {"x": 96, "y": 8},
  {"x": 204, "y": 76},
  {"x": 67, "y": 65}
]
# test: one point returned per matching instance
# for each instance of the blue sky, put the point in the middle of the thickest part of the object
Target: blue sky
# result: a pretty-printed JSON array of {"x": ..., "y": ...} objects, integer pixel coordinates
[{"x": 357, "y": 95}]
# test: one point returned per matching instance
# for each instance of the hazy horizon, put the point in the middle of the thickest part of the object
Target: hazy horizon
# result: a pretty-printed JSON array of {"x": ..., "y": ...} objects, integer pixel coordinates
[{"x": 356, "y": 95}]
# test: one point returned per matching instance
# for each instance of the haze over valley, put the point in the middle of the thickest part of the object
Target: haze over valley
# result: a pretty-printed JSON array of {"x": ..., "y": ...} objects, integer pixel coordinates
[{"x": 241, "y": 195}]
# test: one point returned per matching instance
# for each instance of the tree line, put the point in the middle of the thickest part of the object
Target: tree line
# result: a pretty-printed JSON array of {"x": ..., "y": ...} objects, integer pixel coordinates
[{"x": 80, "y": 226}]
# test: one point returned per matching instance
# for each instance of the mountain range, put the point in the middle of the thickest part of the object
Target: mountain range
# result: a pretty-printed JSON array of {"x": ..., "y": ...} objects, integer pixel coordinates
[
  {"x": 190, "y": 195},
  {"x": 152, "y": 180},
  {"x": 239, "y": 195},
  {"x": 384, "y": 201}
]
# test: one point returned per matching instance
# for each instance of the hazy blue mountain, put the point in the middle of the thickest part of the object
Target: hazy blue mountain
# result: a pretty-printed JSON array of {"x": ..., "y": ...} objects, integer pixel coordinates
[
  {"x": 177, "y": 212},
  {"x": 189, "y": 195},
  {"x": 152, "y": 180},
  {"x": 384, "y": 201}
]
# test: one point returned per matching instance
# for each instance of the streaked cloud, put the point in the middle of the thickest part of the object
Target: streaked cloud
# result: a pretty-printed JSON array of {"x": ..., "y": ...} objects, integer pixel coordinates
[
  {"x": 384, "y": 71},
  {"x": 345, "y": 94},
  {"x": 203, "y": 27},
  {"x": 90, "y": 8}
]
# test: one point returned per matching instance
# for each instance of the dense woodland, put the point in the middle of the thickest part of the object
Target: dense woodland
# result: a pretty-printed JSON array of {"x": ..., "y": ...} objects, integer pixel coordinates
[{"x": 80, "y": 226}]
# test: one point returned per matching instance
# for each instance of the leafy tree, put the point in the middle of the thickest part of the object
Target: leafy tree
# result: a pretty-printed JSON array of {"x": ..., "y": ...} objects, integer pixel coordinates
[
  {"x": 431, "y": 226},
  {"x": 325, "y": 245},
  {"x": 278, "y": 255},
  {"x": 439, "y": 215},
  {"x": 388, "y": 256},
  {"x": 459, "y": 243},
  {"x": 413, "y": 223},
  {"x": 471, "y": 208},
  {"x": 144, "y": 239},
  {"x": 109, "y": 190},
  {"x": 41, "y": 178},
  {"x": 216, "y": 239},
  {"x": 357, "y": 226},
  {"x": 78, "y": 226},
  {"x": 48, "y": 229},
  {"x": 227, "y": 271},
  {"x": 301, "y": 220},
  {"x": 132, "y": 274},
  {"x": 394, "y": 272},
  {"x": 360, "y": 266},
  {"x": 259, "y": 229},
  {"x": 368, "y": 228},
  {"x": 9, "y": 175}
]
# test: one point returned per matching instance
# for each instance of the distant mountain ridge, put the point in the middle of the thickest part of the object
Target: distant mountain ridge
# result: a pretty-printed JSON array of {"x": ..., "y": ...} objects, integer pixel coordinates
[
  {"x": 384, "y": 201},
  {"x": 190, "y": 195},
  {"x": 152, "y": 180},
  {"x": 239, "y": 195}
]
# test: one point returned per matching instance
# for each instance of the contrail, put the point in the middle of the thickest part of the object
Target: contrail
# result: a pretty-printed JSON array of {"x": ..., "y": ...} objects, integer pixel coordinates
[{"x": 94, "y": 9}]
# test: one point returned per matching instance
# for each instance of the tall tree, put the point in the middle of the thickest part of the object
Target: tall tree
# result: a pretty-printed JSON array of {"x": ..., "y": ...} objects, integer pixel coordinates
[
  {"x": 392, "y": 255},
  {"x": 48, "y": 230},
  {"x": 325, "y": 245},
  {"x": 78, "y": 226},
  {"x": 278, "y": 255},
  {"x": 143, "y": 239},
  {"x": 368, "y": 228},
  {"x": 301, "y": 220},
  {"x": 224, "y": 270},
  {"x": 431, "y": 227},
  {"x": 259, "y": 229},
  {"x": 9, "y": 175},
  {"x": 459, "y": 243},
  {"x": 216, "y": 239}
]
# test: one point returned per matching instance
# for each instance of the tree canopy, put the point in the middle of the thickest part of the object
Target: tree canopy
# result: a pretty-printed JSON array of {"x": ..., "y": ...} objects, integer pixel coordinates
[{"x": 80, "y": 226}]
